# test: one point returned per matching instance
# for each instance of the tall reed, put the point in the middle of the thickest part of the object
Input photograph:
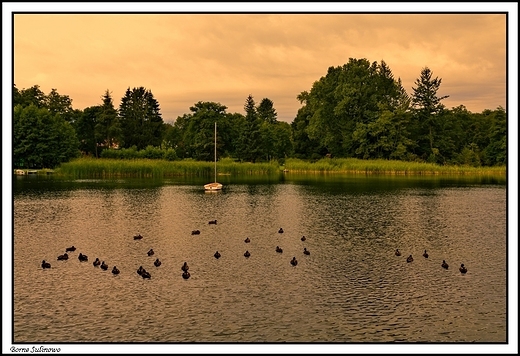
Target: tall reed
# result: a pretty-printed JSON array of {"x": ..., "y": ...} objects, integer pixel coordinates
[
  {"x": 140, "y": 168},
  {"x": 354, "y": 165},
  {"x": 106, "y": 167}
]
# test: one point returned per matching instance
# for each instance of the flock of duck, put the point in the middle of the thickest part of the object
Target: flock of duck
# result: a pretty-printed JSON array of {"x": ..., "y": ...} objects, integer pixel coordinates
[
  {"x": 146, "y": 274},
  {"x": 444, "y": 264},
  {"x": 81, "y": 258},
  {"x": 185, "y": 274}
]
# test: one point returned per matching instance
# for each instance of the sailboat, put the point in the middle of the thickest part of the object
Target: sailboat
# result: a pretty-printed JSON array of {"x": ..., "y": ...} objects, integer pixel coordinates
[{"x": 215, "y": 185}]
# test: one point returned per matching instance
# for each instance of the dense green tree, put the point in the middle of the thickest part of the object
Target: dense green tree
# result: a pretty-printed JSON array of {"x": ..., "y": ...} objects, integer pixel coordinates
[
  {"x": 140, "y": 118},
  {"x": 427, "y": 111},
  {"x": 200, "y": 131},
  {"x": 236, "y": 125},
  {"x": 347, "y": 99},
  {"x": 356, "y": 110},
  {"x": 266, "y": 111},
  {"x": 17, "y": 96},
  {"x": 283, "y": 143},
  {"x": 304, "y": 146},
  {"x": 59, "y": 104},
  {"x": 178, "y": 138},
  {"x": 386, "y": 136},
  {"x": 108, "y": 128},
  {"x": 495, "y": 153},
  {"x": 42, "y": 139},
  {"x": 193, "y": 135},
  {"x": 33, "y": 95},
  {"x": 85, "y": 127},
  {"x": 270, "y": 131},
  {"x": 171, "y": 136},
  {"x": 249, "y": 146}
]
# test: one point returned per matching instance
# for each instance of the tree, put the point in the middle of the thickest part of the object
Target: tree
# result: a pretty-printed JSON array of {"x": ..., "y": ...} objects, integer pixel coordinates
[
  {"x": 59, "y": 104},
  {"x": 250, "y": 140},
  {"x": 428, "y": 107},
  {"x": 495, "y": 153},
  {"x": 108, "y": 129},
  {"x": 200, "y": 131},
  {"x": 266, "y": 111},
  {"x": 348, "y": 99},
  {"x": 172, "y": 136},
  {"x": 85, "y": 127},
  {"x": 141, "y": 121},
  {"x": 283, "y": 144},
  {"x": 42, "y": 139},
  {"x": 177, "y": 136},
  {"x": 32, "y": 95}
]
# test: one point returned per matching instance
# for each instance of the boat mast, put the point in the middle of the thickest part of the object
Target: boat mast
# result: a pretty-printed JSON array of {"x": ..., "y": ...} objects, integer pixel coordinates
[{"x": 215, "y": 151}]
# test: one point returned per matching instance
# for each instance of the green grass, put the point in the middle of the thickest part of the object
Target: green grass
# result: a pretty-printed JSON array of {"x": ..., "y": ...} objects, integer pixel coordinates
[
  {"x": 354, "y": 165},
  {"x": 142, "y": 168}
]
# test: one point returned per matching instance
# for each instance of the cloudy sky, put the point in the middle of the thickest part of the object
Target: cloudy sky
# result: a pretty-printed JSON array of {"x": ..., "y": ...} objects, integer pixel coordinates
[{"x": 223, "y": 57}]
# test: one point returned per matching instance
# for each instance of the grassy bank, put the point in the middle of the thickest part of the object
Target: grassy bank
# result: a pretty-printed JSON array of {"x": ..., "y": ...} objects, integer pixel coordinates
[
  {"x": 141, "y": 168},
  {"x": 354, "y": 165},
  {"x": 100, "y": 168}
]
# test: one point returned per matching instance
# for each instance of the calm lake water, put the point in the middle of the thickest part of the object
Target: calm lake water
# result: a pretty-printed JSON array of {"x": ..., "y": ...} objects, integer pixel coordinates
[{"x": 352, "y": 288}]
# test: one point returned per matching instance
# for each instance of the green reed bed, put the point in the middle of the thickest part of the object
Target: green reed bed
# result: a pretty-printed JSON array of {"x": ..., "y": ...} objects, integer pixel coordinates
[
  {"x": 142, "y": 168},
  {"x": 353, "y": 165},
  {"x": 228, "y": 166}
]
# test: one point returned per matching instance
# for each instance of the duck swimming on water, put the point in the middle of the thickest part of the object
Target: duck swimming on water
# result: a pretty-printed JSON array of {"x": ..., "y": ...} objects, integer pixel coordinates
[
  {"x": 397, "y": 252},
  {"x": 63, "y": 257},
  {"x": 45, "y": 264},
  {"x": 409, "y": 259},
  {"x": 462, "y": 269},
  {"x": 294, "y": 262},
  {"x": 425, "y": 254},
  {"x": 444, "y": 264},
  {"x": 140, "y": 270},
  {"x": 217, "y": 255}
]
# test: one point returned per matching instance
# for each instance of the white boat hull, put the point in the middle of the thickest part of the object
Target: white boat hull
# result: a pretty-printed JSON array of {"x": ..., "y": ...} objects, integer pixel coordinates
[{"x": 213, "y": 186}]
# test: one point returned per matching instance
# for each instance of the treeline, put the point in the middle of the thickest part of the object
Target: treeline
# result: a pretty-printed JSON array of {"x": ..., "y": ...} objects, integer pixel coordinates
[{"x": 358, "y": 110}]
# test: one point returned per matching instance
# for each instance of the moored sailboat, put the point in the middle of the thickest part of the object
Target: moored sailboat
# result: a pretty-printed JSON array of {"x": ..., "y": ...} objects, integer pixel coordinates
[{"x": 215, "y": 185}]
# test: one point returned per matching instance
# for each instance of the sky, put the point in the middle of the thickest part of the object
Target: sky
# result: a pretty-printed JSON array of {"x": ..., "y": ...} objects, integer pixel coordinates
[
  {"x": 223, "y": 52},
  {"x": 224, "y": 57}
]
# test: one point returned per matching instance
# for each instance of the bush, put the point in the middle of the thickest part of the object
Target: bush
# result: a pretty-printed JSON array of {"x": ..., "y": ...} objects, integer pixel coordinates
[{"x": 170, "y": 154}]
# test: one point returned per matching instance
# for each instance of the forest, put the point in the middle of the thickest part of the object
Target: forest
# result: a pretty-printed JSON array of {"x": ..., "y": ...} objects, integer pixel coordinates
[{"x": 357, "y": 110}]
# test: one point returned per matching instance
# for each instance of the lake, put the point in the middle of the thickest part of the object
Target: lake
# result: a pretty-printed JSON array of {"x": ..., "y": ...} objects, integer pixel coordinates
[{"x": 350, "y": 289}]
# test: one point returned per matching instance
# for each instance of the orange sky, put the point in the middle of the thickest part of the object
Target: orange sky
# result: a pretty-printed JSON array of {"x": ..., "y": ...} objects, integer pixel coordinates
[{"x": 186, "y": 58}]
